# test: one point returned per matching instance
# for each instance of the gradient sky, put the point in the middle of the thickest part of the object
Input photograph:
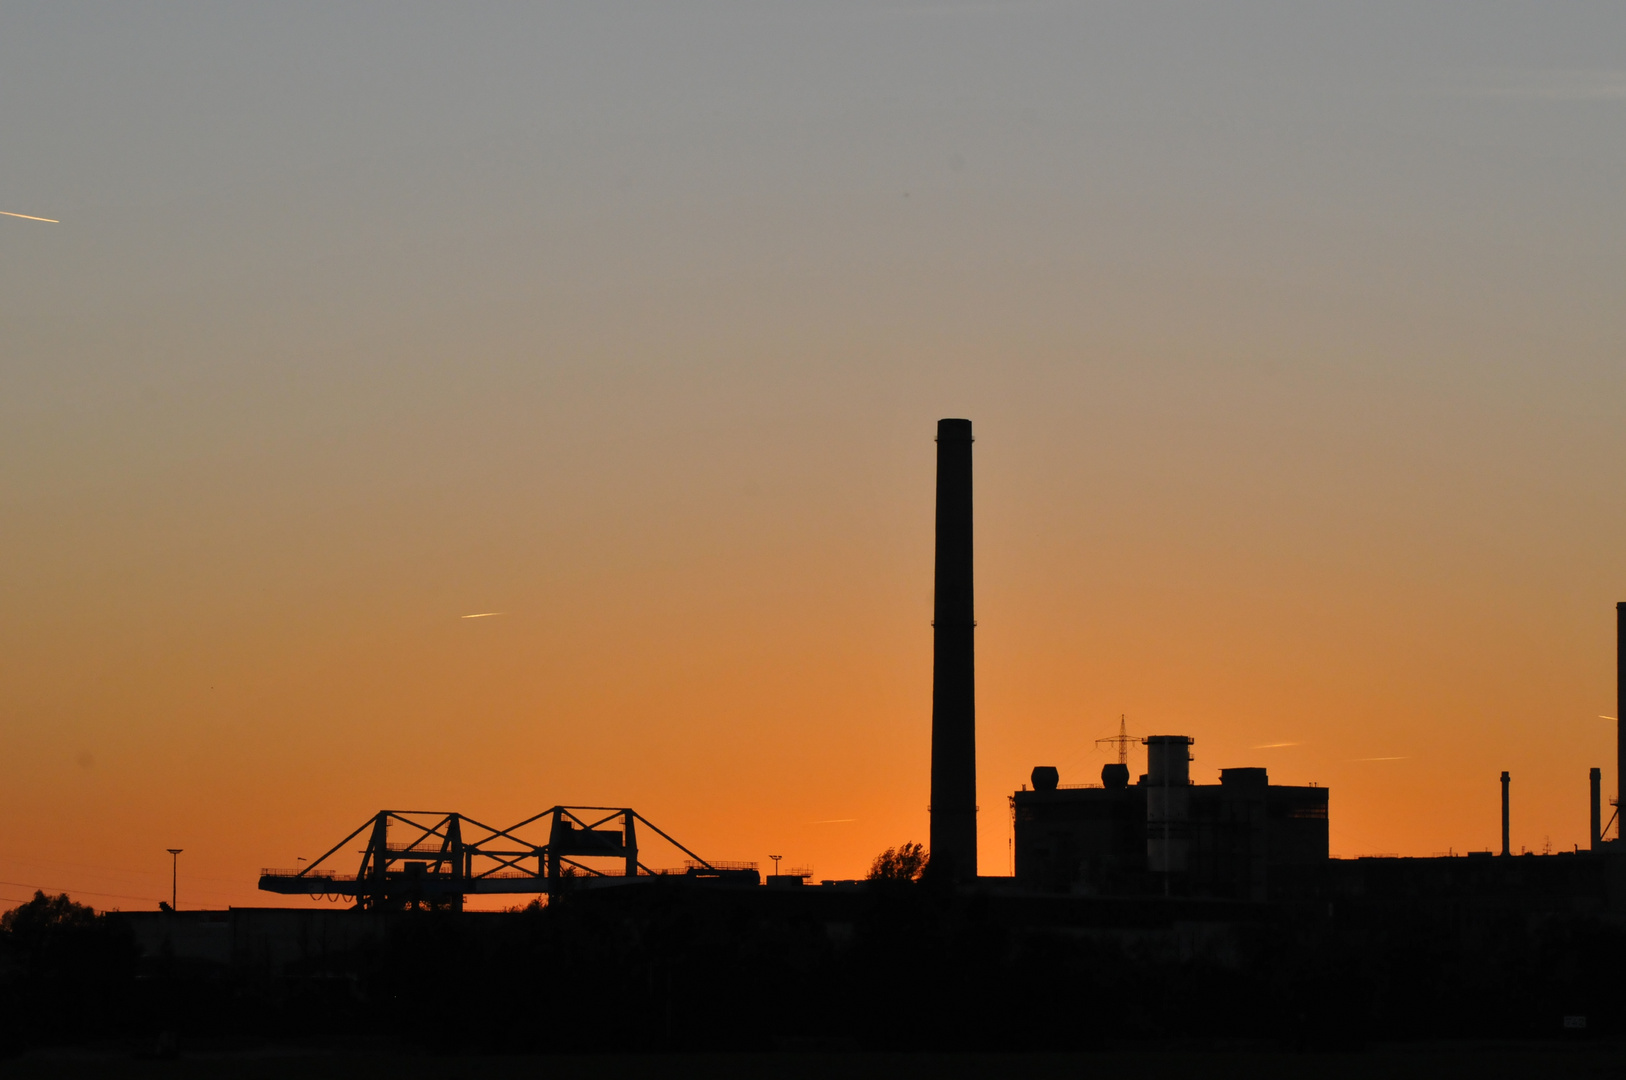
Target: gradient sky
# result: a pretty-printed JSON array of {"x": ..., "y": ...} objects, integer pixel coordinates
[{"x": 1293, "y": 335}]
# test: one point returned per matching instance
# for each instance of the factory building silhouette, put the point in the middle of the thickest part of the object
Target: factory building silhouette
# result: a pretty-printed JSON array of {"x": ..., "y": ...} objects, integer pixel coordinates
[{"x": 1241, "y": 839}]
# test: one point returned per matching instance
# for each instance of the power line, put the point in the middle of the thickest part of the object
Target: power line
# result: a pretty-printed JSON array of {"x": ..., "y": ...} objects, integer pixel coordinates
[
  {"x": 103, "y": 870},
  {"x": 85, "y": 892}
]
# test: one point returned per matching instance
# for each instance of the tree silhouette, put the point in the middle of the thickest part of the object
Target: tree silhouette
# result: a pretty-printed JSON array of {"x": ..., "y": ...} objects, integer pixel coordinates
[
  {"x": 905, "y": 863},
  {"x": 42, "y": 930}
]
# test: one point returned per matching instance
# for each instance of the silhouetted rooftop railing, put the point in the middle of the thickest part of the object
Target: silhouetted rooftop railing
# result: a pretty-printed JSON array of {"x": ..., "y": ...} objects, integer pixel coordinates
[
  {"x": 718, "y": 864},
  {"x": 506, "y": 875}
]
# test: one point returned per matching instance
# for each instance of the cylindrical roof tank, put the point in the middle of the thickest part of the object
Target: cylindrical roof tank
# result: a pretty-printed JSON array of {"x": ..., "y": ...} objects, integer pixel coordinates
[{"x": 1045, "y": 777}]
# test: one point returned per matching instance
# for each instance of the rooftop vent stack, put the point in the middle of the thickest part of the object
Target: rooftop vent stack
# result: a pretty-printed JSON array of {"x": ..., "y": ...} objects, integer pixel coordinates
[
  {"x": 1506, "y": 849},
  {"x": 954, "y": 697},
  {"x": 1168, "y": 803},
  {"x": 1596, "y": 776}
]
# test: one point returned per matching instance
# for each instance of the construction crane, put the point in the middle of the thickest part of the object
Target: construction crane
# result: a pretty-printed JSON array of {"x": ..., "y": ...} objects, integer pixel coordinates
[{"x": 416, "y": 859}]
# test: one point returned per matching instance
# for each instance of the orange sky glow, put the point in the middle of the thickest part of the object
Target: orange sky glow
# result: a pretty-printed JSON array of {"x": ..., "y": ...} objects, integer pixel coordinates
[{"x": 1293, "y": 345}]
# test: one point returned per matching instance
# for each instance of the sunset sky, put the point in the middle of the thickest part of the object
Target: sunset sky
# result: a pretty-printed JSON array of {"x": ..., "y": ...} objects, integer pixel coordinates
[{"x": 1294, "y": 337}]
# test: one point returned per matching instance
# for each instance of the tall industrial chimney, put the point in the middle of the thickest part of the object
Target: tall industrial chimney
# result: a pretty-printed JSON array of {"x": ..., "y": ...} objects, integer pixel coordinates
[
  {"x": 1620, "y": 717},
  {"x": 954, "y": 685}
]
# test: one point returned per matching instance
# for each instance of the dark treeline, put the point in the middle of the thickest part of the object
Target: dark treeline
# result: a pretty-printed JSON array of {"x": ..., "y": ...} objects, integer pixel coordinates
[{"x": 905, "y": 966}]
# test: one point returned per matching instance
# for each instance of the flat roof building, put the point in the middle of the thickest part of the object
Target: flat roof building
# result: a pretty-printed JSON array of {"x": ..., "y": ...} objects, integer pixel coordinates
[{"x": 1241, "y": 839}]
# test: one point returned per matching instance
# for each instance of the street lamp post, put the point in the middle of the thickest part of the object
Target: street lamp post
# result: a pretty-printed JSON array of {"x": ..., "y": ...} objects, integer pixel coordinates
[
  {"x": 776, "y": 859},
  {"x": 174, "y": 870}
]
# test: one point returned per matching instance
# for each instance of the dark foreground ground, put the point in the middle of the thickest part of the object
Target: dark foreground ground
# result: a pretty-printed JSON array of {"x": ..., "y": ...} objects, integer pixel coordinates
[
  {"x": 1479, "y": 1061},
  {"x": 879, "y": 981}
]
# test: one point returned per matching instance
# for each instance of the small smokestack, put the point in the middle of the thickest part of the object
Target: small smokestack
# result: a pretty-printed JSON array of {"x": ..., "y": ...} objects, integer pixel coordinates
[
  {"x": 1596, "y": 776},
  {"x": 1506, "y": 850},
  {"x": 954, "y": 689}
]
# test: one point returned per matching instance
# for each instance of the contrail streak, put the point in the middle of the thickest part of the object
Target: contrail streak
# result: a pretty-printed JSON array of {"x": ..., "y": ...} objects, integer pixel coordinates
[
  {"x": 1275, "y": 745},
  {"x": 833, "y": 821},
  {"x": 1403, "y": 757},
  {"x": 31, "y": 217},
  {"x": 484, "y": 615}
]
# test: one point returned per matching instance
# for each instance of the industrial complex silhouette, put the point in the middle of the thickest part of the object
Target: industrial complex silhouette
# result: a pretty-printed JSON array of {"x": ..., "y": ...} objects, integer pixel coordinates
[
  {"x": 1161, "y": 836},
  {"x": 1139, "y": 908}
]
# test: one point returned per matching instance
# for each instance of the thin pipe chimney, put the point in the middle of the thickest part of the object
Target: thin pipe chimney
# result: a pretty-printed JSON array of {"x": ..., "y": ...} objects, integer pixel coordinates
[
  {"x": 1596, "y": 777},
  {"x": 1506, "y": 850},
  {"x": 954, "y": 691},
  {"x": 1620, "y": 715}
]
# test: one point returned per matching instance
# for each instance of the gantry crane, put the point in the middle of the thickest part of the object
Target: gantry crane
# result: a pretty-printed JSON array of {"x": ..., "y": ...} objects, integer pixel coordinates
[{"x": 417, "y": 859}]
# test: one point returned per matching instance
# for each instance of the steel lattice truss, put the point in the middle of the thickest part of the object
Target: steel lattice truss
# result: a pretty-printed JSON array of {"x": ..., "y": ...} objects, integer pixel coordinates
[{"x": 432, "y": 859}]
